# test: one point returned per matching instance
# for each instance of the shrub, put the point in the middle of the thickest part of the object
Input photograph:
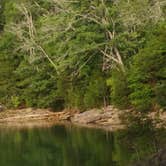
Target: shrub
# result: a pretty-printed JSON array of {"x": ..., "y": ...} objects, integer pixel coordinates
[
  {"x": 147, "y": 73},
  {"x": 119, "y": 89}
]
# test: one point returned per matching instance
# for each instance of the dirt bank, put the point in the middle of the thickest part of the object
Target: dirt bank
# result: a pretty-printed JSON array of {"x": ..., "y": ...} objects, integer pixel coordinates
[
  {"x": 109, "y": 118},
  {"x": 32, "y": 117},
  {"x": 112, "y": 118}
]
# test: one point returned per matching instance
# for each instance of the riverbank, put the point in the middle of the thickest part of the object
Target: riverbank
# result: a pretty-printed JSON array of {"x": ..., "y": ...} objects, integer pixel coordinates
[
  {"x": 109, "y": 118},
  {"x": 30, "y": 117}
]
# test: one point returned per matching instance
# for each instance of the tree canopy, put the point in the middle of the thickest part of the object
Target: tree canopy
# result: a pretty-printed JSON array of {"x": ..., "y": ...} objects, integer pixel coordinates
[{"x": 83, "y": 54}]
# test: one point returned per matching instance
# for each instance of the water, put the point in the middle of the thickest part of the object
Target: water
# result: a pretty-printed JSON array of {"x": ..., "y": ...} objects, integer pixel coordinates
[{"x": 73, "y": 146}]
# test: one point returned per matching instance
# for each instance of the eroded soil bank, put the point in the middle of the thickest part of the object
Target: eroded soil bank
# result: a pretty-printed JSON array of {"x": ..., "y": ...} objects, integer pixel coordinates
[
  {"x": 109, "y": 118},
  {"x": 30, "y": 117}
]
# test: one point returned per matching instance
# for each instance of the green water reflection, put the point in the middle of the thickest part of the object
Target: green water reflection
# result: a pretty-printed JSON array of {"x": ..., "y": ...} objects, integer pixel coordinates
[{"x": 73, "y": 146}]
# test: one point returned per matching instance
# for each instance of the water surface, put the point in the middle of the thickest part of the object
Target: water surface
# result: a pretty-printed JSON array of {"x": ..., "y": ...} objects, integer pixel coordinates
[{"x": 72, "y": 146}]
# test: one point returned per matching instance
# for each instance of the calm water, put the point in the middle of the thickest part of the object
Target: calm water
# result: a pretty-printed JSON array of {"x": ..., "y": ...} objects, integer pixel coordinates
[{"x": 73, "y": 146}]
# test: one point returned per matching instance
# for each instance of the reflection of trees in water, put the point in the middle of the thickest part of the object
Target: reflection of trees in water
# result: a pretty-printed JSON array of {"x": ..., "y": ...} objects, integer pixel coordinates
[
  {"x": 142, "y": 144},
  {"x": 72, "y": 146}
]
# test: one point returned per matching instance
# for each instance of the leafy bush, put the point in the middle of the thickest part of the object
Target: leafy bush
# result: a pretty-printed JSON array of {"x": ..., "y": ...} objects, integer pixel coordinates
[
  {"x": 96, "y": 91},
  {"x": 147, "y": 73},
  {"x": 119, "y": 89},
  {"x": 161, "y": 94},
  {"x": 15, "y": 101}
]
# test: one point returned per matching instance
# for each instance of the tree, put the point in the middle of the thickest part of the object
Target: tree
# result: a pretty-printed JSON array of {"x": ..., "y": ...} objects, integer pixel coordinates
[
  {"x": 2, "y": 19},
  {"x": 62, "y": 53},
  {"x": 147, "y": 73},
  {"x": 8, "y": 63}
]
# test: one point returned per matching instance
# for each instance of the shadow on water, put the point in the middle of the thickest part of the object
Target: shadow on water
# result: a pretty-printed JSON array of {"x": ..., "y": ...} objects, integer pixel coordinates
[{"x": 73, "y": 146}]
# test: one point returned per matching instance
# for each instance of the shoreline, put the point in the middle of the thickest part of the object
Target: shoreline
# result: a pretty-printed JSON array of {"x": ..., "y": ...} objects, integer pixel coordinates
[{"x": 109, "y": 118}]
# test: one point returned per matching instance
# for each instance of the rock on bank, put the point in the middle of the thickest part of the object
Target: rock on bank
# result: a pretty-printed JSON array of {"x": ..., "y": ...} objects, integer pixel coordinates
[{"x": 108, "y": 118}]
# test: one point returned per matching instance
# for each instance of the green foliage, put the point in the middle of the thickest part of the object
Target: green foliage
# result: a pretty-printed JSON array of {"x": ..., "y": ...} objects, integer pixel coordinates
[
  {"x": 147, "y": 73},
  {"x": 95, "y": 92},
  {"x": 160, "y": 91},
  {"x": 15, "y": 101},
  {"x": 84, "y": 92},
  {"x": 57, "y": 54},
  {"x": 119, "y": 89},
  {"x": 8, "y": 63},
  {"x": 2, "y": 19},
  {"x": 11, "y": 14},
  {"x": 142, "y": 97},
  {"x": 37, "y": 86}
]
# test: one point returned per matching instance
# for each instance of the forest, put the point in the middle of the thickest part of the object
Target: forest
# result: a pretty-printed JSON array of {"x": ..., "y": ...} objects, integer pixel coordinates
[{"x": 83, "y": 54}]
